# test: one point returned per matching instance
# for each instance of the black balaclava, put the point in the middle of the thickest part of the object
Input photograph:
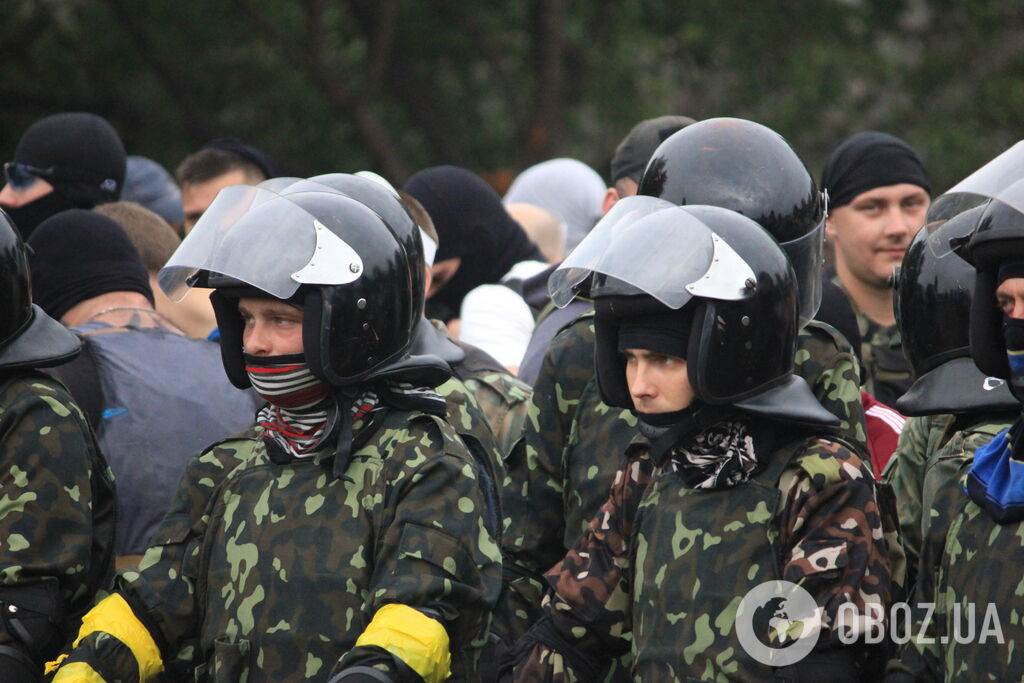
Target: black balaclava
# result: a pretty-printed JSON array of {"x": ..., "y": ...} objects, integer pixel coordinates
[
  {"x": 472, "y": 225},
  {"x": 1013, "y": 328},
  {"x": 868, "y": 160},
  {"x": 88, "y": 165},
  {"x": 78, "y": 255}
]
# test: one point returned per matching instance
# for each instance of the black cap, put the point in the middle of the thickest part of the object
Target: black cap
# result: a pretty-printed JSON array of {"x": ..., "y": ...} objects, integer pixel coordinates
[
  {"x": 84, "y": 151},
  {"x": 78, "y": 255},
  {"x": 868, "y": 160},
  {"x": 253, "y": 155},
  {"x": 635, "y": 150}
]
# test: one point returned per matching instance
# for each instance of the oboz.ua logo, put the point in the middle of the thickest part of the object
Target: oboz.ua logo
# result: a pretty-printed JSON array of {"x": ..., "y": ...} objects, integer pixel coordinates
[{"x": 778, "y": 623}]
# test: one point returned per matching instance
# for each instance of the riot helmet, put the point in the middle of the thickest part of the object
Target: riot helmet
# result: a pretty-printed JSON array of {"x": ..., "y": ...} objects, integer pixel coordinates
[
  {"x": 752, "y": 170},
  {"x": 348, "y": 267},
  {"x": 732, "y": 281},
  {"x": 997, "y": 241},
  {"x": 932, "y": 301},
  {"x": 28, "y": 337}
]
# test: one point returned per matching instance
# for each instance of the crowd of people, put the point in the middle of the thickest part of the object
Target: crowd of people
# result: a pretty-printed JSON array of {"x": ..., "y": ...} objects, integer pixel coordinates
[{"x": 267, "y": 428}]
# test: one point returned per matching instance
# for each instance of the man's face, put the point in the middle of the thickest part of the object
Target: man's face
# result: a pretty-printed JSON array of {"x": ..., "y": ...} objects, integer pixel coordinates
[
  {"x": 13, "y": 198},
  {"x": 272, "y": 327},
  {"x": 872, "y": 232},
  {"x": 441, "y": 273},
  {"x": 1010, "y": 297},
  {"x": 196, "y": 197},
  {"x": 658, "y": 383}
]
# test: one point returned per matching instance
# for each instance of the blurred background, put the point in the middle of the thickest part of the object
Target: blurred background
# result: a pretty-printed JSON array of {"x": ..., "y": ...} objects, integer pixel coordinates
[{"x": 397, "y": 85}]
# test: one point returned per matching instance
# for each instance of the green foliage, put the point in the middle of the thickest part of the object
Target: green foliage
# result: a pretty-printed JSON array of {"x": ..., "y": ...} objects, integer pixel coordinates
[{"x": 397, "y": 85}]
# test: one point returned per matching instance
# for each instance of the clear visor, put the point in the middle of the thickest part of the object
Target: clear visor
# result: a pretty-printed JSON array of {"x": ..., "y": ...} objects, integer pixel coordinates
[
  {"x": 279, "y": 183},
  {"x": 944, "y": 208},
  {"x": 563, "y": 285},
  {"x": 262, "y": 239},
  {"x": 807, "y": 256},
  {"x": 668, "y": 254},
  {"x": 1002, "y": 179}
]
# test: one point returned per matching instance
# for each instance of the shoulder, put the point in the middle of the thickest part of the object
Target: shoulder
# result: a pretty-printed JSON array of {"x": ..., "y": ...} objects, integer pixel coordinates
[
  {"x": 414, "y": 437},
  {"x": 824, "y": 462},
  {"x": 31, "y": 390},
  {"x": 819, "y": 335}
]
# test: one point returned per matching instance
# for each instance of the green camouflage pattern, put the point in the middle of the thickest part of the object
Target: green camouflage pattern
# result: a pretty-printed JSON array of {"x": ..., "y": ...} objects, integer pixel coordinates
[
  {"x": 505, "y": 403},
  {"x": 886, "y": 371},
  {"x": 270, "y": 570},
  {"x": 942, "y": 496},
  {"x": 567, "y": 474},
  {"x": 57, "y": 505},
  {"x": 921, "y": 438},
  {"x": 810, "y": 516}
]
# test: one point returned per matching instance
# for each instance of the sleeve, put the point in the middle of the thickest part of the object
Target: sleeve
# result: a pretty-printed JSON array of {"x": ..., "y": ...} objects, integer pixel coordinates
[
  {"x": 437, "y": 569},
  {"x": 497, "y": 320},
  {"x": 834, "y": 543},
  {"x": 49, "y": 536},
  {"x": 587, "y": 619},
  {"x": 150, "y": 624},
  {"x": 905, "y": 474}
]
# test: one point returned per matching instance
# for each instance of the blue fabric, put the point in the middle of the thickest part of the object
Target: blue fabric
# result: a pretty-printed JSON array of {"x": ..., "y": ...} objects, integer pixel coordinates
[
  {"x": 996, "y": 478},
  {"x": 215, "y": 335}
]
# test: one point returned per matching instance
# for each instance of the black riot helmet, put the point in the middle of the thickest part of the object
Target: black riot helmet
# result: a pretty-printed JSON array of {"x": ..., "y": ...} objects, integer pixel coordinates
[
  {"x": 748, "y": 168},
  {"x": 731, "y": 279},
  {"x": 346, "y": 266},
  {"x": 28, "y": 337},
  {"x": 997, "y": 240},
  {"x": 932, "y": 301}
]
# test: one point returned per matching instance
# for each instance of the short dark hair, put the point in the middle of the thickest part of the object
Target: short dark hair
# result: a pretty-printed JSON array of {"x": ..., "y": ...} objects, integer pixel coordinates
[{"x": 209, "y": 163}]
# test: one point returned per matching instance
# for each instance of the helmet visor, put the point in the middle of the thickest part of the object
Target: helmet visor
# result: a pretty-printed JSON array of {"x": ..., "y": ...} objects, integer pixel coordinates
[
  {"x": 1002, "y": 179},
  {"x": 262, "y": 239},
  {"x": 807, "y": 256},
  {"x": 565, "y": 283},
  {"x": 672, "y": 256}
]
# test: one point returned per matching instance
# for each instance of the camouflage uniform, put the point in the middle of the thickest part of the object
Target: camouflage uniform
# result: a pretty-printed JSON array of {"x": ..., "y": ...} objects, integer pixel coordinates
[
  {"x": 566, "y": 472},
  {"x": 57, "y": 506},
  {"x": 942, "y": 496},
  {"x": 669, "y": 565},
  {"x": 270, "y": 568},
  {"x": 886, "y": 372}
]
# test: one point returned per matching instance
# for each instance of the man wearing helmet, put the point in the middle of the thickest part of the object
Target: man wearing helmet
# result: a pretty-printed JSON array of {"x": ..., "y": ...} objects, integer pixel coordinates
[
  {"x": 345, "y": 536},
  {"x": 735, "y": 481},
  {"x": 975, "y": 538},
  {"x": 59, "y": 510},
  {"x": 736, "y": 164}
]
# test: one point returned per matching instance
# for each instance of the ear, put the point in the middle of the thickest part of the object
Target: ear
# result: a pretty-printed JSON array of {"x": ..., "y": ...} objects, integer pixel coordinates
[
  {"x": 611, "y": 196},
  {"x": 830, "y": 229},
  {"x": 428, "y": 279}
]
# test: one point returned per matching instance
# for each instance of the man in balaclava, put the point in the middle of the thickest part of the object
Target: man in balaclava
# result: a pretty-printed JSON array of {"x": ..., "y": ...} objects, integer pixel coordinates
[{"x": 73, "y": 160}]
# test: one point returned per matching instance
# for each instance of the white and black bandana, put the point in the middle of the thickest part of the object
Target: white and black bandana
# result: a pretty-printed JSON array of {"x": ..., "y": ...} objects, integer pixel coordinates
[{"x": 719, "y": 457}]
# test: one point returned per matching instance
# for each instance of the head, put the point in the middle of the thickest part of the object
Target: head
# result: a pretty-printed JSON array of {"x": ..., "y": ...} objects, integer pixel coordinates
[
  {"x": 78, "y": 256},
  {"x": 154, "y": 239},
  {"x": 568, "y": 188},
  {"x": 479, "y": 241},
  {"x": 878, "y": 193},
  {"x": 151, "y": 185},
  {"x": 359, "y": 305},
  {"x": 28, "y": 337},
  {"x": 633, "y": 153},
  {"x": 750, "y": 169},
  {"x": 270, "y": 327},
  {"x": 716, "y": 298},
  {"x": 71, "y": 160},
  {"x": 544, "y": 229},
  {"x": 218, "y": 164},
  {"x": 429, "y": 235}
]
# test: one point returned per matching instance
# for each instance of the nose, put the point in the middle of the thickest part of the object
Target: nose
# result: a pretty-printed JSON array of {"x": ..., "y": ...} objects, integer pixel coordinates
[
  {"x": 255, "y": 340},
  {"x": 9, "y": 197},
  {"x": 898, "y": 222},
  {"x": 1018, "y": 308},
  {"x": 641, "y": 386}
]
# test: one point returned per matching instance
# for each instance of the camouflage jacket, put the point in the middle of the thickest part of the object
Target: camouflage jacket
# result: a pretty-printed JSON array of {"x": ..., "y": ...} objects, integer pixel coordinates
[
  {"x": 667, "y": 565},
  {"x": 269, "y": 568},
  {"x": 886, "y": 371},
  {"x": 944, "y": 510},
  {"x": 57, "y": 505},
  {"x": 565, "y": 474}
]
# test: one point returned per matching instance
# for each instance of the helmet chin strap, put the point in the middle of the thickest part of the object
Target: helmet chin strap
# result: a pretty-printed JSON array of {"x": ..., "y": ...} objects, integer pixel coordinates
[{"x": 665, "y": 430}]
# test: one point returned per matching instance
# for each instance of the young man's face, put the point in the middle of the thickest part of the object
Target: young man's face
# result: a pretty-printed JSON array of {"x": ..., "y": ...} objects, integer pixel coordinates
[
  {"x": 657, "y": 382},
  {"x": 872, "y": 232},
  {"x": 272, "y": 327},
  {"x": 1010, "y": 297}
]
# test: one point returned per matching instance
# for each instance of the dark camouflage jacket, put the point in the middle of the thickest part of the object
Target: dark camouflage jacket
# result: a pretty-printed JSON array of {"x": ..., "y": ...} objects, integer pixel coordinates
[
  {"x": 640, "y": 573},
  {"x": 569, "y": 464},
  {"x": 886, "y": 371},
  {"x": 57, "y": 505},
  {"x": 269, "y": 569},
  {"x": 948, "y": 553}
]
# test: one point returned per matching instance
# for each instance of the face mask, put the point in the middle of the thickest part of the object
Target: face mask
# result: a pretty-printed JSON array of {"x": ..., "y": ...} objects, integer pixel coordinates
[
  {"x": 28, "y": 216},
  {"x": 1013, "y": 335},
  {"x": 285, "y": 381}
]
